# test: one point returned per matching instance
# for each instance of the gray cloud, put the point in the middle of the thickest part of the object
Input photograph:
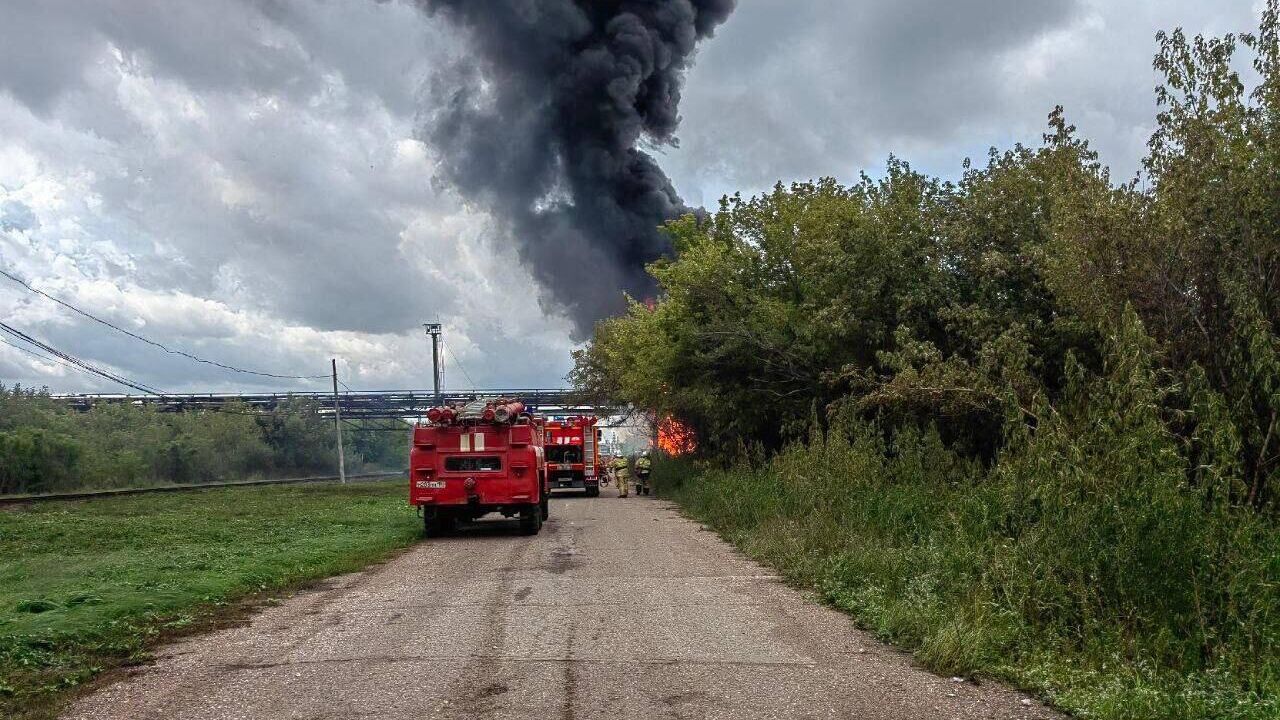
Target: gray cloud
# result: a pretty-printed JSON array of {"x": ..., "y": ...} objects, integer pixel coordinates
[
  {"x": 231, "y": 139},
  {"x": 241, "y": 179},
  {"x": 828, "y": 87}
]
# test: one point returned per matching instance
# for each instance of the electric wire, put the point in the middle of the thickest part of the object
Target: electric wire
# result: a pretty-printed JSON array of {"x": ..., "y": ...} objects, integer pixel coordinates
[
  {"x": 88, "y": 369},
  {"x": 120, "y": 379},
  {"x": 38, "y": 356},
  {"x": 153, "y": 343},
  {"x": 45, "y": 358},
  {"x": 461, "y": 367}
]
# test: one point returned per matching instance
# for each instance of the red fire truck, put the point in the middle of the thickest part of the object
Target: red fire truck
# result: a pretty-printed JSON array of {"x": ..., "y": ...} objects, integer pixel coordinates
[
  {"x": 573, "y": 455},
  {"x": 484, "y": 457}
]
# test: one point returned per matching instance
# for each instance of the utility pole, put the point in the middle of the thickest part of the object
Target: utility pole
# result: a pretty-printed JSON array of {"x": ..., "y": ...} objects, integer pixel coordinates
[
  {"x": 337, "y": 425},
  {"x": 434, "y": 330}
]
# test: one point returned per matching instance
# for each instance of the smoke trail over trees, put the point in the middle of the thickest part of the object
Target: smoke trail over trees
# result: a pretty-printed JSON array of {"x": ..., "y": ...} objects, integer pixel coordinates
[{"x": 544, "y": 130}]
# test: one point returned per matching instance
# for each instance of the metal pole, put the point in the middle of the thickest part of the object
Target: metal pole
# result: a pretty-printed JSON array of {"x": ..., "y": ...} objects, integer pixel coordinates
[
  {"x": 435, "y": 364},
  {"x": 337, "y": 425},
  {"x": 433, "y": 329}
]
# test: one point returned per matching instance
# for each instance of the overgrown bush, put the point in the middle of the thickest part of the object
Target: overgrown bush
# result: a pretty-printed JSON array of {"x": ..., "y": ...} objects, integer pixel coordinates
[{"x": 1081, "y": 563}]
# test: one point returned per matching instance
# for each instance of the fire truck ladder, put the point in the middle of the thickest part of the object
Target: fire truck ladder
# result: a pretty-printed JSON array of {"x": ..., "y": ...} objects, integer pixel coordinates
[{"x": 589, "y": 450}]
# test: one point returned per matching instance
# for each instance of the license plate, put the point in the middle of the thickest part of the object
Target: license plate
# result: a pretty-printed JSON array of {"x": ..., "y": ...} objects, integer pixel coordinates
[{"x": 431, "y": 485}]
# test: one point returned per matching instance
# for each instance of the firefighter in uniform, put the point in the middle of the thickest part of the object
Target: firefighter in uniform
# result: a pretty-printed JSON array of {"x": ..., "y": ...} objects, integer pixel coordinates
[
  {"x": 622, "y": 474},
  {"x": 642, "y": 474}
]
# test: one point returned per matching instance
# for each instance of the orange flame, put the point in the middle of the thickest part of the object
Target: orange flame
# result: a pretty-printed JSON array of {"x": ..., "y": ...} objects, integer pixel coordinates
[{"x": 675, "y": 438}]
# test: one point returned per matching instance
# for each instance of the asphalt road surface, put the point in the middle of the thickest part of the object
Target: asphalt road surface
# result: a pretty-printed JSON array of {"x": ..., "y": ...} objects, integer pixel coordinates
[{"x": 619, "y": 609}]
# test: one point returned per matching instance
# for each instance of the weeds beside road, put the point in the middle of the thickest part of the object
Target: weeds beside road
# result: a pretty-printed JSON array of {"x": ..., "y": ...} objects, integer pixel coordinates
[
  {"x": 914, "y": 545},
  {"x": 85, "y": 587}
]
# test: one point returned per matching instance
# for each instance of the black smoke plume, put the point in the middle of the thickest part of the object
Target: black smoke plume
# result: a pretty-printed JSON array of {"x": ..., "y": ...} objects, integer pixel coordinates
[{"x": 543, "y": 128}]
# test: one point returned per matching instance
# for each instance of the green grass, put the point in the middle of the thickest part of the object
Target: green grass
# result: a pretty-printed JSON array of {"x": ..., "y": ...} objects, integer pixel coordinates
[
  {"x": 915, "y": 546},
  {"x": 88, "y": 586}
]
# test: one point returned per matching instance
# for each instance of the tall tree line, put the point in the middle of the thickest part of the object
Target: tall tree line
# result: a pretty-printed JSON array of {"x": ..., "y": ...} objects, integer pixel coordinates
[{"x": 970, "y": 305}]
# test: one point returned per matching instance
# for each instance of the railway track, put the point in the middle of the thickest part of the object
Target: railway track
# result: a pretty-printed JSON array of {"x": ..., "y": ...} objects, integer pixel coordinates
[{"x": 116, "y": 492}]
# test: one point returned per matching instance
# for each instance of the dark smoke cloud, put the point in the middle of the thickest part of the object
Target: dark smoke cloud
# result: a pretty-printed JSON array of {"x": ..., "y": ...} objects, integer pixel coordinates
[{"x": 543, "y": 130}]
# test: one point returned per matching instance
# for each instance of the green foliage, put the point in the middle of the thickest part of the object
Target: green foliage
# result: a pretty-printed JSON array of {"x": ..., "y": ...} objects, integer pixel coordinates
[
  {"x": 36, "y": 460},
  {"x": 1026, "y": 422},
  {"x": 82, "y": 587},
  {"x": 44, "y": 447},
  {"x": 911, "y": 300}
]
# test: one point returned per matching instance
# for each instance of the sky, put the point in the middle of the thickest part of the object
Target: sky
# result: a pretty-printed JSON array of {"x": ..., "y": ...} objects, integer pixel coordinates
[{"x": 246, "y": 180}]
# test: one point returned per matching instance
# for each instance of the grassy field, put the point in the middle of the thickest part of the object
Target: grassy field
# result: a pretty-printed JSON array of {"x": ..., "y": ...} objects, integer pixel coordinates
[{"x": 88, "y": 586}]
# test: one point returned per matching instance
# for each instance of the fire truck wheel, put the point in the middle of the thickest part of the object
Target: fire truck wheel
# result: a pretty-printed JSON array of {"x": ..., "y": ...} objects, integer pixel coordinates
[
  {"x": 531, "y": 520},
  {"x": 593, "y": 491},
  {"x": 545, "y": 506}
]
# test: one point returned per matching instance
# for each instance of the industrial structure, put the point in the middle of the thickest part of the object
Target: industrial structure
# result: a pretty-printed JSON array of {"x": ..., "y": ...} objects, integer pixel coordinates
[{"x": 353, "y": 405}]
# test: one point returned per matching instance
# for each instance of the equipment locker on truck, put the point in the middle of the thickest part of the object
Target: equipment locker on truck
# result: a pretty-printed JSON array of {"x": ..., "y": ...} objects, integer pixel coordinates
[{"x": 485, "y": 457}]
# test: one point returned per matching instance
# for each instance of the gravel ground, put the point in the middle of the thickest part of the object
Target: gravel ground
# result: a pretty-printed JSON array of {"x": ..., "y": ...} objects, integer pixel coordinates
[{"x": 619, "y": 609}]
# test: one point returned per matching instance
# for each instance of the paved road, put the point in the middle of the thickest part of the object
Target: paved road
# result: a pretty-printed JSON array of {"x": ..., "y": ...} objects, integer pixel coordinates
[{"x": 619, "y": 609}]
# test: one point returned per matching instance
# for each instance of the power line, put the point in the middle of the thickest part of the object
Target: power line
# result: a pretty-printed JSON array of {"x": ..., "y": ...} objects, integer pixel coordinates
[
  {"x": 216, "y": 409},
  {"x": 151, "y": 342},
  {"x": 86, "y": 371},
  {"x": 461, "y": 367},
  {"x": 77, "y": 361},
  {"x": 45, "y": 358}
]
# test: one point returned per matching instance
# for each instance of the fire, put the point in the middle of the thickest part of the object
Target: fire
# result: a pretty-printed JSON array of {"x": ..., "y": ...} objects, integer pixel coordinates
[{"x": 675, "y": 438}]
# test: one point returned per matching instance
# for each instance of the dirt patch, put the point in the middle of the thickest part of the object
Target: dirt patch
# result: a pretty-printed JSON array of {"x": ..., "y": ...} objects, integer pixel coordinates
[
  {"x": 491, "y": 690},
  {"x": 684, "y": 698}
]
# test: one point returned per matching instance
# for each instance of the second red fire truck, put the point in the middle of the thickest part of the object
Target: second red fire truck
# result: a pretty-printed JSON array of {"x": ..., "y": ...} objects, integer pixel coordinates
[{"x": 573, "y": 454}]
